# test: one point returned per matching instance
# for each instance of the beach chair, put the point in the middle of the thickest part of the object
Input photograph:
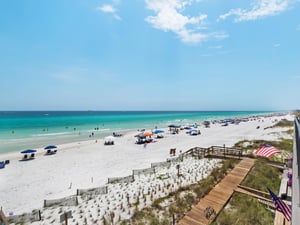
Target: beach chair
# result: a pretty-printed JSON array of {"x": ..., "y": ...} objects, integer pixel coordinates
[
  {"x": 172, "y": 151},
  {"x": 7, "y": 162},
  {"x": 32, "y": 156},
  {"x": 25, "y": 156},
  {"x": 117, "y": 134},
  {"x": 2, "y": 165}
]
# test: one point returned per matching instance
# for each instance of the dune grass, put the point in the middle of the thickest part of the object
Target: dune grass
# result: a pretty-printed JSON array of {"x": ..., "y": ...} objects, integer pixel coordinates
[
  {"x": 282, "y": 123},
  {"x": 262, "y": 176},
  {"x": 281, "y": 144},
  {"x": 244, "y": 210},
  {"x": 180, "y": 201}
]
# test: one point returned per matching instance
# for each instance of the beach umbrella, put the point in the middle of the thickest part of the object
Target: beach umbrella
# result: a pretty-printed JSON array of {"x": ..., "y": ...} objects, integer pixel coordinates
[
  {"x": 28, "y": 151},
  {"x": 158, "y": 131},
  {"x": 148, "y": 134},
  {"x": 141, "y": 135},
  {"x": 50, "y": 147},
  {"x": 109, "y": 138}
]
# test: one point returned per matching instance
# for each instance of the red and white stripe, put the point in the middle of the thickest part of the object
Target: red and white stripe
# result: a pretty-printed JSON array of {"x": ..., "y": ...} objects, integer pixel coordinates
[{"x": 266, "y": 151}]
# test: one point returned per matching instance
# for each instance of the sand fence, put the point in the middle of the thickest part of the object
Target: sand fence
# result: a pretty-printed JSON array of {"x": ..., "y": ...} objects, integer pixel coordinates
[
  {"x": 73, "y": 200},
  {"x": 93, "y": 191},
  {"x": 127, "y": 179},
  {"x": 35, "y": 215},
  {"x": 66, "y": 201}
]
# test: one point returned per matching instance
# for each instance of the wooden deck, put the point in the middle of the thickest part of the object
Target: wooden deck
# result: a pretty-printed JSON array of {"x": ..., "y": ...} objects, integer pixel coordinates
[{"x": 211, "y": 205}]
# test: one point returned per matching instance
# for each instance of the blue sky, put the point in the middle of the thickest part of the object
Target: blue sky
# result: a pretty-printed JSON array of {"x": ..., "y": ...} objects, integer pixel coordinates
[{"x": 150, "y": 55}]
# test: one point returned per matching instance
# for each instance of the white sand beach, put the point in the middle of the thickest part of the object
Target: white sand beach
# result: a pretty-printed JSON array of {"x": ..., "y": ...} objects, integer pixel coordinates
[{"x": 25, "y": 184}]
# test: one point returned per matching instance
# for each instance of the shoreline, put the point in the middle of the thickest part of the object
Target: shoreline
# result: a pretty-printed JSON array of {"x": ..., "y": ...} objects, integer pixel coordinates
[
  {"x": 90, "y": 164},
  {"x": 38, "y": 136},
  {"x": 88, "y": 140}
]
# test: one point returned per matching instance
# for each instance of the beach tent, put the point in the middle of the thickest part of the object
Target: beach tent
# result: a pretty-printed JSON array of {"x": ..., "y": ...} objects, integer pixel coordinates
[
  {"x": 174, "y": 128},
  {"x": 109, "y": 140},
  {"x": 144, "y": 137},
  {"x": 194, "y": 131},
  {"x": 28, "y": 151},
  {"x": 51, "y": 149}
]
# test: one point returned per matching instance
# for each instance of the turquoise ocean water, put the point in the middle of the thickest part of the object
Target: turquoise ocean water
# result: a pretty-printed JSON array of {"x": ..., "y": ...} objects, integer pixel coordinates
[{"x": 33, "y": 129}]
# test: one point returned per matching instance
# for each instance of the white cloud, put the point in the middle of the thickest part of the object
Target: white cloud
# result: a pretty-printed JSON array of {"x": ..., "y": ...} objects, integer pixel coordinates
[
  {"x": 169, "y": 17},
  {"x": 109, "y": 9},
  {"x": 260, "y": 9},
  {"x": 298, "y": 27},
  {"x": 276, "y": 45},
  {"x": 216, "y": 47}
]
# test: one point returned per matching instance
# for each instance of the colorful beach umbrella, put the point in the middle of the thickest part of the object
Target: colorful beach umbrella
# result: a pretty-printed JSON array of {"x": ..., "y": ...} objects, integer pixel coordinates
[
  {"x": 158, "y": 131},
  {"x": 148, "y": 134},
  {"x": 27, "y": 151}
]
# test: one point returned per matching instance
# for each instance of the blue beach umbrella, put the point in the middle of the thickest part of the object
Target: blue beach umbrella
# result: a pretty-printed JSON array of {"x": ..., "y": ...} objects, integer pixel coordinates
[
  {"x": 28, "y": 151},
  {"x": 50, "y": 147},
  {"x": 158, "y": 131}
]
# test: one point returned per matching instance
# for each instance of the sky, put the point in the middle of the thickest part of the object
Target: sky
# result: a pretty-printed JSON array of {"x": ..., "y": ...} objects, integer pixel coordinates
[{"x": 150, "y": 55}]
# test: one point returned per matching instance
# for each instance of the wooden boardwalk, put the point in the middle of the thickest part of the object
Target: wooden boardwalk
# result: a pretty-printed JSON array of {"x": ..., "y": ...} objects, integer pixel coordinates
[{"x": 211, "y": 205}]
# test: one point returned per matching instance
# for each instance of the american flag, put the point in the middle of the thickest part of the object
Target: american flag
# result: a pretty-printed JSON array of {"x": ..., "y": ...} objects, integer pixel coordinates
[
  {"x": 266, "y": 150},
  {"x": 281, "y": 206}
]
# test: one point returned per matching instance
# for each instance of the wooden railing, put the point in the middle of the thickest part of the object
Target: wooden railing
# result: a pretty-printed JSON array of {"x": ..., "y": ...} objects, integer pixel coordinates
[{"x": 216, "y": 151}]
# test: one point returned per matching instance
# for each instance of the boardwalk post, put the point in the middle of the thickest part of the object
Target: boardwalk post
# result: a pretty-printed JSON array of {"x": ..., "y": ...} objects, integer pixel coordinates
[
  {"x": 178, "y": 167},
  {"x": 173, "y": 219},
  {"x": 65, "y": 216},
  {"x": 224, "y": 150}
]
